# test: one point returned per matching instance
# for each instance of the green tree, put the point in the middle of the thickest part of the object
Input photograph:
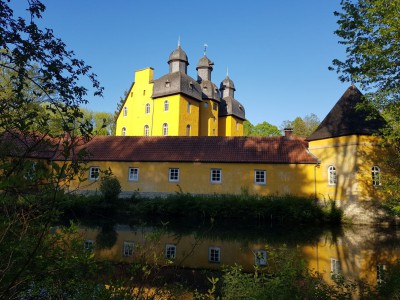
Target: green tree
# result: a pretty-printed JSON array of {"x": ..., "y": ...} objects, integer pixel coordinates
[
  {"x": 41, "y": 81},
  {"x": 370, "y": 31},
  {"x": 261, "y": 129},
  {"x": 302, "y": 127}
]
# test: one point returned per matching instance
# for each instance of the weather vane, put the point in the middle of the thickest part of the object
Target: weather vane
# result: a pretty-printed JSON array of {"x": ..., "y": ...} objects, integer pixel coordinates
[{"x": 205, "y": 48}]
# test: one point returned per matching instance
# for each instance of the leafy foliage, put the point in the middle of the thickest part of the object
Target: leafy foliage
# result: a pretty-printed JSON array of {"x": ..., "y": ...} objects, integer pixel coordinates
[
  {"x": 110, "y": 188},
  {"x": 261, "y": 129},
  {"x": 370, "y": 31},
  {"x": 302, "y": 127},
  {"x": 40, "y": 99}
]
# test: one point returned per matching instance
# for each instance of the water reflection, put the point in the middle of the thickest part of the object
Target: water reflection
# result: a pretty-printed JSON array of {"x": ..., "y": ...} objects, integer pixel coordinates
[{"x": 354, "y": 252}]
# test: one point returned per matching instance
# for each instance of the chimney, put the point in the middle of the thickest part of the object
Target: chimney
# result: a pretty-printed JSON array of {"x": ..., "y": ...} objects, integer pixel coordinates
[{"x": 288, "y": 132}]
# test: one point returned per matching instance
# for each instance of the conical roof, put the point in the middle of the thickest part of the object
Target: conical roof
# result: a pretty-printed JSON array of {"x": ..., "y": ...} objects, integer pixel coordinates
[
  {"x": 204, "y": 62},
  {"x": 227, "y": 83},
  {"x": 345, "y": 118},
  {"x": 178, "y": 54}
]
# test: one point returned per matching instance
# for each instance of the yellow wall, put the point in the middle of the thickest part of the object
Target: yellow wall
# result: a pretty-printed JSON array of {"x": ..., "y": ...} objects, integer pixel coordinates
[
  {"x": 195, "y": 178},
  {"x": 230, "y": 126},
  {"x": 208, "y": 119},
  {"x": 138, "y": 96},
  {"x": 353, "y": 156}
]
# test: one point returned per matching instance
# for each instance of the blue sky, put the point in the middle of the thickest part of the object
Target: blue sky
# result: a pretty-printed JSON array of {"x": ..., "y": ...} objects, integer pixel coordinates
[{"x": 277, "y": 52}]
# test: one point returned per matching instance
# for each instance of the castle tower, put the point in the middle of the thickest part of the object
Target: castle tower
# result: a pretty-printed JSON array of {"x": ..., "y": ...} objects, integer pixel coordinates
[
  {"x": 210, "y": 96},
  {"x": 231, "y": 111},
  {"x": 178, "y": 61}
]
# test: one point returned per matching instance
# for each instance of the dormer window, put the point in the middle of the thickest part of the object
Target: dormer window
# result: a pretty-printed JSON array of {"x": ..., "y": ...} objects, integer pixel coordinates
[{"x": 167, "y": 84}]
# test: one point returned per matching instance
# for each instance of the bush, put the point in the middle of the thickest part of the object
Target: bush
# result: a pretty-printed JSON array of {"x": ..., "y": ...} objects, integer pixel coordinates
[{"x": 110, "y": 188}]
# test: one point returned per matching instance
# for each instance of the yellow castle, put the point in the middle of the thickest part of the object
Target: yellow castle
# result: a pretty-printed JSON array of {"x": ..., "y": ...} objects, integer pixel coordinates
[{"x": 178, "y": 105}]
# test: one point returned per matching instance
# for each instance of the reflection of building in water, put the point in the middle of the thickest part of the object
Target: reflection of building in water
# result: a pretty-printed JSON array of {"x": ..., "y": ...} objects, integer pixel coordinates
[{"x": 363, "y": 253}]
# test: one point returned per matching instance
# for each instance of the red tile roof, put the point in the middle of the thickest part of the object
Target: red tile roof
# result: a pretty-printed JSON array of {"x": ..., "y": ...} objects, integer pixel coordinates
[{"x": 200, "y": 149}]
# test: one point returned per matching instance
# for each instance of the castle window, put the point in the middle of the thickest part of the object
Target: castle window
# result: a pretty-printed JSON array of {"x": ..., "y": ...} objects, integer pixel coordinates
[
  {"x": 166, "y": 105},
  {"x": 147, "y": 108},
  {"x": 94, "y": 173},
  {"x": 89, "y": 245},
  {"x": 376, "y": 176},
  {"x": 165, "y": 129},
  {"x": 335, "y": 268},
  {"x": 188, "y": 107},
  {"x": 215, "y": 106},
  {"x": 128, "y": 248},
  {"x": 133, "y": 174},
  {"x": 131, "y": 94},
  {"x": 144, "y": 92},
  {"x": 214, "y": 254},
  {"x": 125, "y": 113},
  {"x": 216, "y": 175},
  {"x": 260, "y": 177},
  {"x": 213, "y": 132},
  {"x": 170, "y": 251},
  {"x": 205, "y": 104},
  {"x": 332, "y": 176},
  {"x": 146, "y": 130},
  {"x": 173, "y": 175},
  {"x": 214, "y": 119},
  {"x": 237, "y": 126},
  {"x": 123, "y": 131},
  {"x": 188, "y": 130},
  {"x": 260, "y": 258}
]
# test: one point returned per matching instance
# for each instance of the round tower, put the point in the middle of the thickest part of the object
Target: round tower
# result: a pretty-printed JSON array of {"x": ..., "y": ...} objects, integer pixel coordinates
[
  {"x": 227, "y": 88},
  {"x": 178, "y": 61},
  {"x": 204, "y": 69}
]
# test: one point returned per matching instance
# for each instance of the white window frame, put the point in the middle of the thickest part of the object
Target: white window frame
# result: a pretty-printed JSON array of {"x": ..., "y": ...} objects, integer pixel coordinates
[
  {"x": 170, "y": 251},
  {"x": 129, "y": 248},
  {"x": 133, "y": 174},
  {"x": 260, "y": 257},
  {"x": 376, "y": 176},
  {"x": 335, "y": 268},
  {"x": 332, "y": 175},
  {"x": 92, "y": 172},
  {"x": 166, "y": 105},
  {"x": 214, "y": 254},
  {"x": 216, "y": 176},
  {"x": 173, "y": 174},
  {"x": 260, "y": 177},
  {"x": 147, "y": 108},
  {"x": 146, "y": 130},
  {"x": 123, "y": 131},
  {"x": 381, "y": 270},
  {"x": 165, "y": 129},
  {"x": 125, "y": 113}
]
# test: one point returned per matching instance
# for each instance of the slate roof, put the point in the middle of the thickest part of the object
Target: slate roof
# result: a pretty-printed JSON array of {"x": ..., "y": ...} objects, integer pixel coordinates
[
  {"x": 200, "y": 149},
  {"x": 178, "y": 54},
  {"x": 178, "y": 83},
  {"x": 230, "y": 106},
  {"x": 210, "y": 90},
  {"x": 346, "y": 119}
]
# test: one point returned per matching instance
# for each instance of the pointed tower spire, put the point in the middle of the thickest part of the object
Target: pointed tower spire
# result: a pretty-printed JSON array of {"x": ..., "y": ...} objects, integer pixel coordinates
[
  {"x": 227, "y": 72},
  {"x": 205, "y": 49},
  {"x": 179, "y": 41}
]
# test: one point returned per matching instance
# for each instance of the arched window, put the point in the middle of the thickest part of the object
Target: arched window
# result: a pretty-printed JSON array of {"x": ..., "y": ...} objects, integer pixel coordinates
[
  {"x": 332, "y": 176},
  {"x": 147, "y": 108},
  {"x": 187, "y": 130},
  {"x": 123, "y": 131},
  {"x": 165, "y": 129},
  {"x": 166, "y": 105},
  {"x": 125, "y": 111},
  {"x": 146, "y": 130},
  {"x": 376, "y": 176}
]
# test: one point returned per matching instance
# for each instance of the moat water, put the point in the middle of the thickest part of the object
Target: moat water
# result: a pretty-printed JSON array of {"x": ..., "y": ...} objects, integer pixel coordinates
[{"x": 356, "y": 252}]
